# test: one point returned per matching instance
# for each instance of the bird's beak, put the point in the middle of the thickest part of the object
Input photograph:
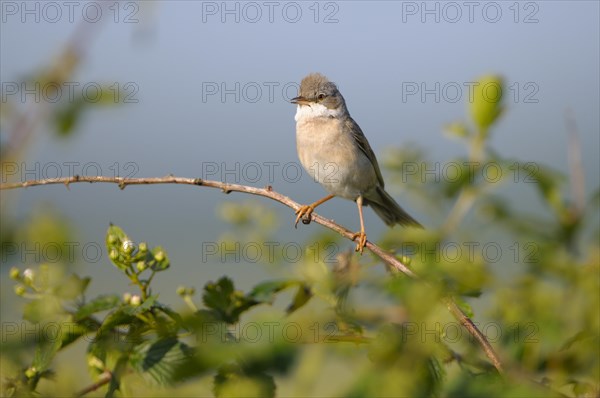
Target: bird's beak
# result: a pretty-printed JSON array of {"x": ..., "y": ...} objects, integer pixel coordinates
[{"x": 300, "y": 101}]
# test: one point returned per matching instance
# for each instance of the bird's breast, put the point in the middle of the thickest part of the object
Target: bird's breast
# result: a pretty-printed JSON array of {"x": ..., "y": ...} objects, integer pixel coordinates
[{"x": 332, "y": 158}]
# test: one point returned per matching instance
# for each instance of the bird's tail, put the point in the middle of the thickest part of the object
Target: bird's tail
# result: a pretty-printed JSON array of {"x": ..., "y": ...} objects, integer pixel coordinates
[{"x": 388, "y": 210}]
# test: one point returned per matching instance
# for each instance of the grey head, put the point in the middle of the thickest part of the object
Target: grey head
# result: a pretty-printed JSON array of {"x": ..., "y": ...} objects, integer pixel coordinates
[{"x": 317, "y": 89}]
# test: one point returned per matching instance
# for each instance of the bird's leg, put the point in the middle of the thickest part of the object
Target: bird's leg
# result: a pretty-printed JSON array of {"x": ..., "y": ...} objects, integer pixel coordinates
[
  {"x": 362, "y": 236},
  {"x": 306, "y": 210}
]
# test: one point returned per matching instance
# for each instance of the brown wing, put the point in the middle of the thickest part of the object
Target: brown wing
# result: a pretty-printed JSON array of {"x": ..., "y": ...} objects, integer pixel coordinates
[{"x": 364, "y": 146}]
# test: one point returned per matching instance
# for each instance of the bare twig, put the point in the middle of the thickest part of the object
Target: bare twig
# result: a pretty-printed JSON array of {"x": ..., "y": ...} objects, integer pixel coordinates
[
  {"x": 389, "y": 259},
  {"x": 105, "y": 378}
]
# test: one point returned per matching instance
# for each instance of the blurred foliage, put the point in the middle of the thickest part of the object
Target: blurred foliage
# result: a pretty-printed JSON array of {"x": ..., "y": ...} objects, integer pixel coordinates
[{"x": 343, "y": 329}]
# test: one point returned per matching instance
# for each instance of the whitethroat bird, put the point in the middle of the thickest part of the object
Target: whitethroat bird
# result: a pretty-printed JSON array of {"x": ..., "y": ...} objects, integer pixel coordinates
[{"x": 334, "y": 150}]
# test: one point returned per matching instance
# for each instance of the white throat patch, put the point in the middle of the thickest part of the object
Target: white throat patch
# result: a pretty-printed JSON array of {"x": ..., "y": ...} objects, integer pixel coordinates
[{"x": 312, "y": 111}]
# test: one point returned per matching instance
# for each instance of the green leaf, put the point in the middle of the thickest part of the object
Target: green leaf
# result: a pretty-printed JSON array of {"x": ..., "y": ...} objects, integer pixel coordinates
[
  {"x": 68, "y": 116},
  {"x": 145, "y": 306},
  {"x": 464, "y": 306},
  {"x": 388, "y": 345},
  {"x": 265, "y": 292},
  {"x": 96, "y": 356},
  {"x": 457, "y": 129},
  {"x": 72, "y": 287},
  {"x": 45, "y": 353},
  {"x": 109, "y": 95},
  {"x": 303, "y": 295},
  {"x": 32, "y": 311},
  {"x": 117, "y": 374},
  {"x": 44, "y": 308},
  {"x": 158, "y": 360},
  {"x": 66, "y": 119},
  {"x": 274, "y": 356},
  {"x": 403, "y": 364},
  {"x": 437, "y": 371},
  {"x": 170, "y": 313},
  {"x": 583, "y": 389},
  {"x": 462, "y": 174},
  {"x": 115, "y": 234},
  {"x": 227, "y": 302},
  {"x": 230, "y": 381},
  {"x": 116, "y": 318},
  {"x": 581, "y": 335},
  {"x": 548, "y": 183},
  {"x": 75, "y": 331},
  {"x": 100, "y": 303}
]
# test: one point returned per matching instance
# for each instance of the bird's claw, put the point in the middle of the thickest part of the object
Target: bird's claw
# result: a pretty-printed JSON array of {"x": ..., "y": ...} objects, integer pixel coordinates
[
  {"x": 362, "y": 241},
  {"x": 303, "y": 213}
]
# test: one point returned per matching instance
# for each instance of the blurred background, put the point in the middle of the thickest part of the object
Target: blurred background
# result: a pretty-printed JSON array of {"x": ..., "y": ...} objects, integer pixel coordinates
[{"x": 202, "y": 89}]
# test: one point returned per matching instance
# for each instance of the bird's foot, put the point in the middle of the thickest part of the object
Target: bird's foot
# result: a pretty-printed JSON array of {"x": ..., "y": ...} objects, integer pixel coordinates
[
  {"x": 362, "y": 241},
  {"x": 303, "y": 213}
]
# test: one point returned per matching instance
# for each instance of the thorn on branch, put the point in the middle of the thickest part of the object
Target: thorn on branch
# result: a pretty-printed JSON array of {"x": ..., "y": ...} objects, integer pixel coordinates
[{"x": 75, "y": 178}]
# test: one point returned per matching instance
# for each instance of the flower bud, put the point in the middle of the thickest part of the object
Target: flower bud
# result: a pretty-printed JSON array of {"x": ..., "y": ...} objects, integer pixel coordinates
[
  {"x": 28, "y": 275},
  {"x": 30, "y": 372},
  {"x": 486, "y": 104},
  {"x": 405, "y": 260},
  {"x": 135, "y": 300},
  {"x": 140, "y": 265},
  {"x": 128, "y": 246},
  {"x": 95, "y": 362},
  {"x": 111, "y": 239},
  {"x": 114, "y": 254},
  {"x": 126, "y": 298},
  {"x": 20, "y": 290},
  {"x": 14, "y": 273}
]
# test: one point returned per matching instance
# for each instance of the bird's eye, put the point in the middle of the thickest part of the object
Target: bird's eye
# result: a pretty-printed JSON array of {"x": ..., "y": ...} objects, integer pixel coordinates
[{"x": 321, "y": 97}]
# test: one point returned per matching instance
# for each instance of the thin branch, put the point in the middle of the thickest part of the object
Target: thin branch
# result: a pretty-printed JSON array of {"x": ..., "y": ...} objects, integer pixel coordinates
[
  {"x": 105, "y": 378},
  {"x": 468, "y": 324},
  {"x": 389, "y": 259}
]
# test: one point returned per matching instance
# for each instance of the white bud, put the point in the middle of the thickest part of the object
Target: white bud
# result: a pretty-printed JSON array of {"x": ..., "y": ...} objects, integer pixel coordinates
[
  {"x": 28, "y": 275},
  {"x": 127, "y": 298},
  {"x": 135, "y": 300},
  {"x": 128, "y": 246}
]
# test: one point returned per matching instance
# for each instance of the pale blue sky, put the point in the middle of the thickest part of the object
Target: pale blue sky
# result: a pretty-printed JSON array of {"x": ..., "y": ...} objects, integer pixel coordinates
[{"x": 373, "y": 51}]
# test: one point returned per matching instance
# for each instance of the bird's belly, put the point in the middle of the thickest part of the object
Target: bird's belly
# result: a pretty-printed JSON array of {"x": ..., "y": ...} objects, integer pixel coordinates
[{"x": 333, "y": 159}]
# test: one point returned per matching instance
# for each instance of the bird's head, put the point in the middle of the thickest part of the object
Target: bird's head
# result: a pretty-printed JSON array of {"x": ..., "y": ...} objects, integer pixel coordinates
[{"x": 318, "y": 97}]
